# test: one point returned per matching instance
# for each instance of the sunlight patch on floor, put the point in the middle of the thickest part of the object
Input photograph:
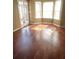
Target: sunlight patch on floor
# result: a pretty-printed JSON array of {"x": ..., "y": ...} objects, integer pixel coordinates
[{"x": 40, "y": 27}]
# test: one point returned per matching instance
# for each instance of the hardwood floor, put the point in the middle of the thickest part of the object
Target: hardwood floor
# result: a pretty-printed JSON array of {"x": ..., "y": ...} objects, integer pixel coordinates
[{"x": 34, "y": 43}]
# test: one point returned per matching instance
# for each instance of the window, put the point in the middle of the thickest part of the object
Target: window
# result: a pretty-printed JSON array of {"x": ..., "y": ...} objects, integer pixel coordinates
[
  {"x": 45, "y": 9},
  {"x": 23, "y": 12},
  {"x": 38, "y": 8},
  {"x": 48, "y": 10},
  {"x": 57, "y": 10}
]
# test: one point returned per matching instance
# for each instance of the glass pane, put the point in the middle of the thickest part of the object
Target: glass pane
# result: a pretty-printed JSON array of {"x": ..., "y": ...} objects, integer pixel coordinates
[
  {"x": 48, "y": 10},
  {"x": 38, "y": 10},
  {"x": 57, "y": 10},
  {"x": 20, "y": 2}
]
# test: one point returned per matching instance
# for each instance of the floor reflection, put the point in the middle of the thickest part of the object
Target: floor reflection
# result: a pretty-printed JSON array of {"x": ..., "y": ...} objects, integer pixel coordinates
[
  {"x": 51, "y": 36},
  {"x": 25, "y": 42},
  {"x": 41, "y": 33}
]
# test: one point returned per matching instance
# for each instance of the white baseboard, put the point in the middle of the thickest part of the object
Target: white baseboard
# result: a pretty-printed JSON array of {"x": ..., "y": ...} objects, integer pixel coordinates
[
  {"x": 58, "y": 25},
  {"x": 17, "y": 29},
  {"x": 62, "y": 26}
]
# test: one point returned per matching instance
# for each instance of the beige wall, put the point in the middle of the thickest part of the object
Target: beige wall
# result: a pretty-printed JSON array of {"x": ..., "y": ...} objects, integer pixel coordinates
[
  {"x": 63, "y": 15},
  {"x": 16, "y": 20}
]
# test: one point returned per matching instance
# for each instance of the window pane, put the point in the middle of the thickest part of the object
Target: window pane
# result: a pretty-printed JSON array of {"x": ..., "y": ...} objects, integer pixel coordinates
[
  {"x": 57, "y": 10},
  {"x": 48, "y": 10},
  {"x": 38, "y": 10},
  {"x": 20, "y": 2}
]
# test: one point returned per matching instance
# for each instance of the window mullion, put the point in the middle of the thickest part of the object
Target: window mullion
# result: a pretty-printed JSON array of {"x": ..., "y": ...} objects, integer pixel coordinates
[
  {"x": 42, "y": 12},
  {"x": 53, "y": 9}
]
